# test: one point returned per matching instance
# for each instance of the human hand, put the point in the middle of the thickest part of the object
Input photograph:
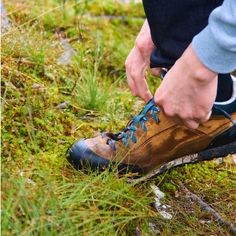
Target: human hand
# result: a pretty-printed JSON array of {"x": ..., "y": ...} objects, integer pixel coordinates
[
  {"x": 188, "y": 91},
  {"x": 138, "y": 62}
]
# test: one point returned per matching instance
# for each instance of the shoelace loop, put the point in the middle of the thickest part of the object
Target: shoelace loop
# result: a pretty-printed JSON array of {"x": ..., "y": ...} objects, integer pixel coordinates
[
  {"x": 225, "y": 113},
  {"x": 141, "y": 118}
]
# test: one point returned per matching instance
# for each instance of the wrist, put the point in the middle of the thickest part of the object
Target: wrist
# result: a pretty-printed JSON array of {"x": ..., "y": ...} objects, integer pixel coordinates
[
  {"x": 144, "y": 41},
  {"x": 195, "y": 68}
]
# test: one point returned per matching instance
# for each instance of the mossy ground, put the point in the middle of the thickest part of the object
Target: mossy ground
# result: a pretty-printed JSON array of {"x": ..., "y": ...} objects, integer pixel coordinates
[{"x": 46, "y": 106}]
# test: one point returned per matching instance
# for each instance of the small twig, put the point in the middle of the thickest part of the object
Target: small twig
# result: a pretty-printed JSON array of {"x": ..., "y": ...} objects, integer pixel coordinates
[{"x": 206, "y": 207}]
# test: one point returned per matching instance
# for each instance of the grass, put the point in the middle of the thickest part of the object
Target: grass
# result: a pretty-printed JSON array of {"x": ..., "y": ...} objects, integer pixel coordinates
[
  {"x": 46, "y": 106},
  {"x": 101, "y": 204}
]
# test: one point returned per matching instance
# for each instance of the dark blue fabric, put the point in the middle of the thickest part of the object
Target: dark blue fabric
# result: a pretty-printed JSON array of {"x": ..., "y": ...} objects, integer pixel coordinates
[
  {"x": 173, "y": 25},
  {"x": 229, "y": 108},
  {"x": 224, "y": 87},
  {"x": 227, "y": 137}
]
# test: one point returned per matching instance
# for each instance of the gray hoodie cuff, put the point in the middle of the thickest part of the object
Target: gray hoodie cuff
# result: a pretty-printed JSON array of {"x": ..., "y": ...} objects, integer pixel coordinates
[{"x": 215, "y": 57}]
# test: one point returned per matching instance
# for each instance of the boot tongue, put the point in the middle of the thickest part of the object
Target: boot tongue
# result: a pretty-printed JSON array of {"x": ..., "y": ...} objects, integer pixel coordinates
[{"x": 111, "y": 136}]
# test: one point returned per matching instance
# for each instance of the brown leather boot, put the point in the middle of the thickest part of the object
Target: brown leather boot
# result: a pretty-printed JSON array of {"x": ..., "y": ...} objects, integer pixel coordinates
[{"x": 152, "y": 142}]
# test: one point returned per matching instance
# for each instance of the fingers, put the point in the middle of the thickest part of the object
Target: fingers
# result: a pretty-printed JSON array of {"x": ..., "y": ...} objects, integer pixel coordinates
[
  {"x": 192, "y": 123},
  {"x": 142, "y": 88},
  {"x": 138, "y": 85},
  {"x": 182, "y": 117},
  {"x": 136, "y": 70},
  {"x": 185, "y": 103},
  {"x": 132, "y": 85},
  {"x": 204, "y": 118},
  {"x": 195, "y": 122}
]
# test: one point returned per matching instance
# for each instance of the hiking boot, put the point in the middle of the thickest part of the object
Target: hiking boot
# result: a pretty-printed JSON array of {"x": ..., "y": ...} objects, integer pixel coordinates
[{"x": 152, "y": 142}]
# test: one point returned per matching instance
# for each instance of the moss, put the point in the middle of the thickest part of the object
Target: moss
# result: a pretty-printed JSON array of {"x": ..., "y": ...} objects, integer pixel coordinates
[{"x": 42, "y": 194}]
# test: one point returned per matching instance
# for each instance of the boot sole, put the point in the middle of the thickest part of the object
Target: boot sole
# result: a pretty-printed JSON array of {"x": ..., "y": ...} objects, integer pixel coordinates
[{"x": 205, "y": 155}]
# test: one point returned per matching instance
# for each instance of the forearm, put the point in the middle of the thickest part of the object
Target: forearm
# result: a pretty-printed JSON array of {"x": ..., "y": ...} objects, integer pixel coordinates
[{"x": 215, "y": 45}]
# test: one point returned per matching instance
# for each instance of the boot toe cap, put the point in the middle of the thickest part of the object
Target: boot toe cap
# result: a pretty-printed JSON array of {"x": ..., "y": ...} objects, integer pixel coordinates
[{"x": 80, "y": 155}]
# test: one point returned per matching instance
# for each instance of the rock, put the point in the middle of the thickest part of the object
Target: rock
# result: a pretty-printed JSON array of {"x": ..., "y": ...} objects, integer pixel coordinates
[
  {"x": 138, "y": 231},
  {"x": 157, "y": 191},
  {"x": 37, "y": 86},
  {"x": 4, "y": 19},
  {"x": 165, "y": 215},
  {"x": 153, "y": 228},
  {"x": 65, "y": 58},
  {"x": 234, "y": 158},
  {"x": 157, "y": 204},
  {"x": 219, "y": 160},
  {"x": 62, "y": 105},
  {"x": 30, "y": 181}
]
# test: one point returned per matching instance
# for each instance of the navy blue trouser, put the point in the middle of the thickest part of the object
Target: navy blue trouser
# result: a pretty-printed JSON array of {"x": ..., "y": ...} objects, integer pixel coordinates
[{"x": 173, "y": 24}]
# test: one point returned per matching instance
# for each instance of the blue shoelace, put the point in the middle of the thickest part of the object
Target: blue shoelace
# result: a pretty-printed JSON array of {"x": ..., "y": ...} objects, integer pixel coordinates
[
  {"x": 139, "y": 119},
  {"x": 142, "y": 118}
]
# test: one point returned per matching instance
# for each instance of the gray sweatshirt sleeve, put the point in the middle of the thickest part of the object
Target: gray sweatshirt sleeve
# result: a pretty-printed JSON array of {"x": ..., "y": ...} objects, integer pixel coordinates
[{"x": 215, "y": 45}]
